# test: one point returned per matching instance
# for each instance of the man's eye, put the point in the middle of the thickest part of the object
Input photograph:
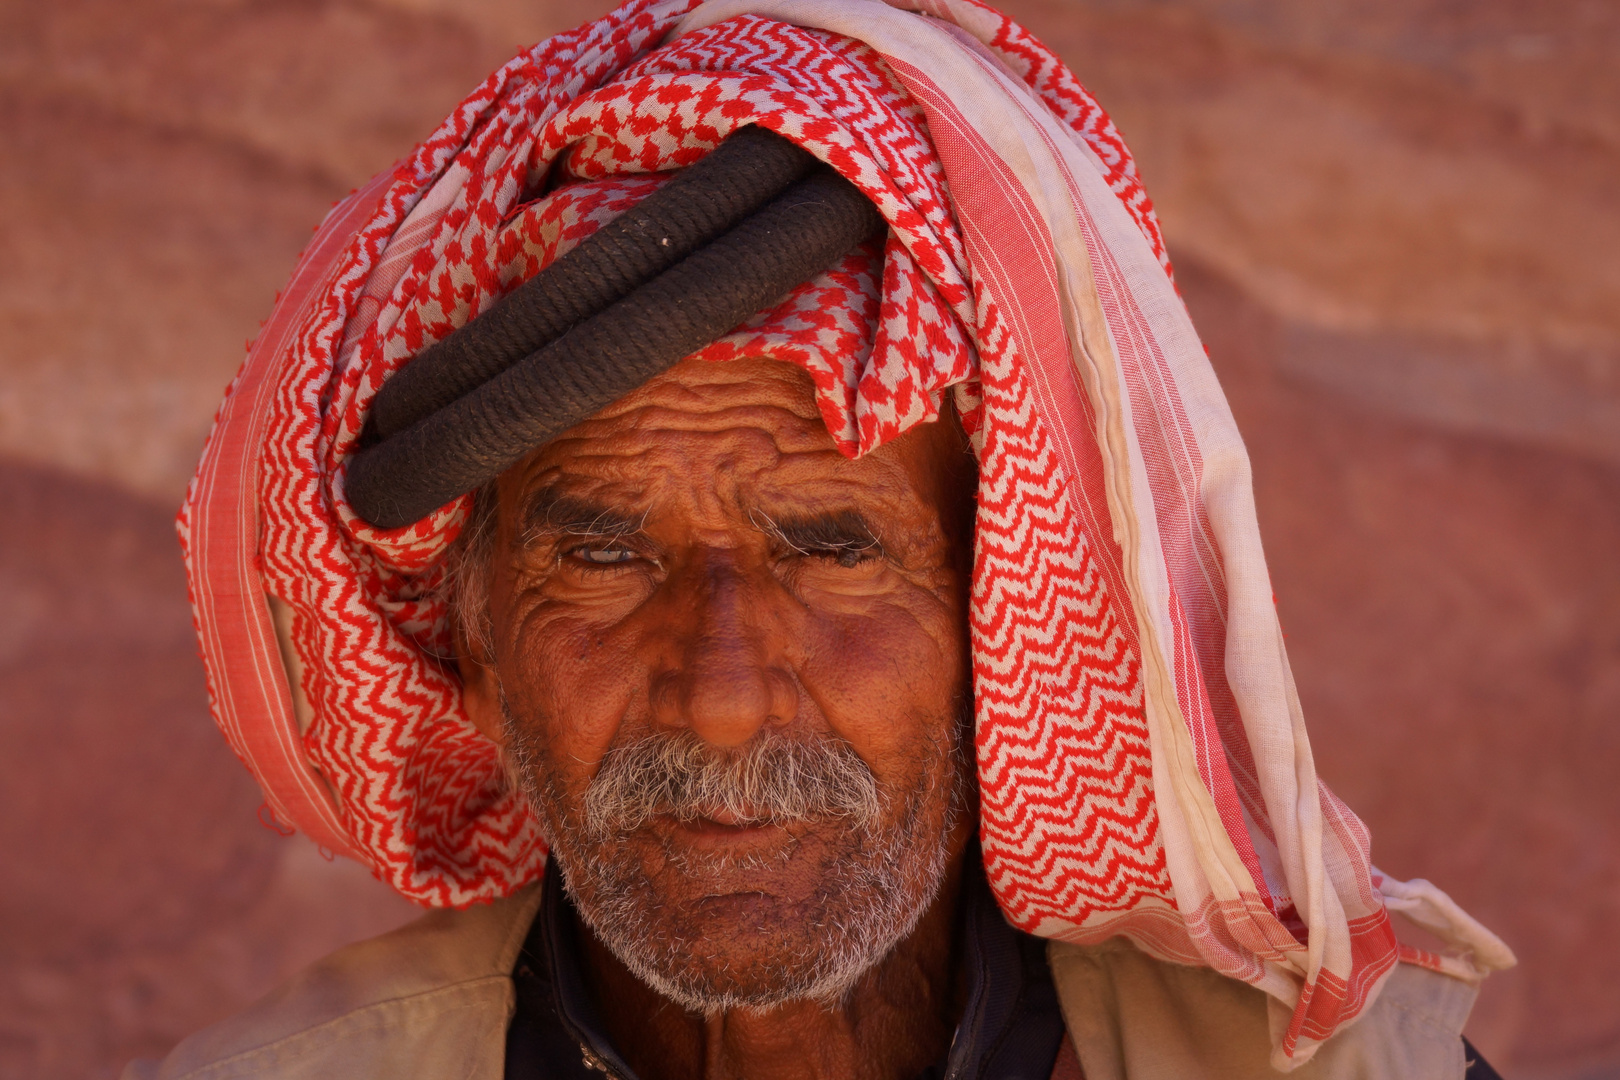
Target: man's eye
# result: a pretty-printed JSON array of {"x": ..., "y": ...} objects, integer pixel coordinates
[
  {"x": 602, "y": 556},
  {"x": 846, "y": 557}
]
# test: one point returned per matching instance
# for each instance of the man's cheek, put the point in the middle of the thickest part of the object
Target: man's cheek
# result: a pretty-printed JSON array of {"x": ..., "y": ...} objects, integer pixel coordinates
[
  {"x": 879, "y": 677},
  {"x": 572, "y": 678}
]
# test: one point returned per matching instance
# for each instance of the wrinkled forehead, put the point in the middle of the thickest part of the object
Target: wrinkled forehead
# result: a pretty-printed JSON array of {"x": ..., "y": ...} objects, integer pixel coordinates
[
  {"x": 756, "y": 393},
  {"x": 735, "y": 438}
]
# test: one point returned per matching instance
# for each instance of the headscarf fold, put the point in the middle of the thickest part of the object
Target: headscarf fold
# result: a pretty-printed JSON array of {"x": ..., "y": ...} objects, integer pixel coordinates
[{"x": 1143, "y": 763}]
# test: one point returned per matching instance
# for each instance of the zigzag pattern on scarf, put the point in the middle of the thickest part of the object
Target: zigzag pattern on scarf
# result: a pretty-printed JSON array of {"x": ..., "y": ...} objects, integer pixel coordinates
[{"x": 1070, "y": 828}]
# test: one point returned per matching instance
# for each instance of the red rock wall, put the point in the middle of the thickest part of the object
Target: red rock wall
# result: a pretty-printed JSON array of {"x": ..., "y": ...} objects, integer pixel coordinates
[{"x": 1395, "y": 225}]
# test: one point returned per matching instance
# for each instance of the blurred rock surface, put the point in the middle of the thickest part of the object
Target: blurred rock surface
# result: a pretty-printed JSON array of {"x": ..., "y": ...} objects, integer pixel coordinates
[
  {"x": 1395, "y": 224},
  {"x": 142, "y": 898}
]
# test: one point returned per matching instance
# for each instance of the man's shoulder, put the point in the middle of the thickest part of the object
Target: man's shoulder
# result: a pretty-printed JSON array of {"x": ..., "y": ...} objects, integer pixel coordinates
[
  {"x": 1131, "y": 1015},
  {"x": 430, "y": 999}
]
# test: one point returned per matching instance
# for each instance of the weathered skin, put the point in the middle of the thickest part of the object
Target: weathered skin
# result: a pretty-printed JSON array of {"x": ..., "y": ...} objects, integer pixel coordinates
[{"x": 673, "y": 563}]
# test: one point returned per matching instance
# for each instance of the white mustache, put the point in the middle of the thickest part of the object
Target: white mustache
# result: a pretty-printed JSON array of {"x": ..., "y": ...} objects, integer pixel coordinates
[{"x": 774, "y": 779}]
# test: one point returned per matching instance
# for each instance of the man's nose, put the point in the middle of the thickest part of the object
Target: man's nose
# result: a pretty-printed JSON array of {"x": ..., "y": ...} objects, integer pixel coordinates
[{"x": 731, "y": 677}]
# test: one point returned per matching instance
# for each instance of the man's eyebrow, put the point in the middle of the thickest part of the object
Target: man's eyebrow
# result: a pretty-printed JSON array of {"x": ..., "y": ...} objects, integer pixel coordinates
[
  {"x": 838, "y": 530},
  {"x": 547, "y": 513}
]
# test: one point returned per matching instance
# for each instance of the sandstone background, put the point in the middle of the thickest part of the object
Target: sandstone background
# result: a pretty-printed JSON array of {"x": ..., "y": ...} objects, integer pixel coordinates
[{"x": 1396, "y": 224}]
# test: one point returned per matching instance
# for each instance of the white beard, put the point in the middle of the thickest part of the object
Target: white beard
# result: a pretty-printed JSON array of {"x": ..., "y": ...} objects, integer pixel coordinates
[{"x": 875, "y": 883}]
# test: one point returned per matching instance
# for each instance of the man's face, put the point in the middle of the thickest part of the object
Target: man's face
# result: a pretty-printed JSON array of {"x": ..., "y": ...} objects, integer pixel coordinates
[{"x": 729, "y": 667}]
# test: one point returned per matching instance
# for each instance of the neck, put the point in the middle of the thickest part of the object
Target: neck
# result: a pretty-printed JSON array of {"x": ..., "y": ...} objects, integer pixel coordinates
[{"x": 895, "y": 1022}]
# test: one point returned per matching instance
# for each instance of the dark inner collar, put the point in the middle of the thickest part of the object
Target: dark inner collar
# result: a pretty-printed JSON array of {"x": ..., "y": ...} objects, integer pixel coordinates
[{"x": 1011, "y": 1024}]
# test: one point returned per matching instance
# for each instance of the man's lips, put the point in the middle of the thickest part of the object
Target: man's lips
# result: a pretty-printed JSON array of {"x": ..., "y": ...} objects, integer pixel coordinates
[
  {"x": 721, "y": 816},
  {"x": 720, "y": 827},
  {"x": 719, "y": 820}
]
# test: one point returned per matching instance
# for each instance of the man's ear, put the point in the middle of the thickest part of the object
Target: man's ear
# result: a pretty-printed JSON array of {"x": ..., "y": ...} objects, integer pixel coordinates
[{"x": 480, "y": 686}]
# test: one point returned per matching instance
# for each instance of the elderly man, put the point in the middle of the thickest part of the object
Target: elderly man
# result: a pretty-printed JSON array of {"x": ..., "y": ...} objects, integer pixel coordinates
[{"x": 740, "y": 522}]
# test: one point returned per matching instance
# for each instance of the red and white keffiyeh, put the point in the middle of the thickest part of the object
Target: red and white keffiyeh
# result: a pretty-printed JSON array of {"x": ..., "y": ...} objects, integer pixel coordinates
[{"x": 1143, "y": 762}]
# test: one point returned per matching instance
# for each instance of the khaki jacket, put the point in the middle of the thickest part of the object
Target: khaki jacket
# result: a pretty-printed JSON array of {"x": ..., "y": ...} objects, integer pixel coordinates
[{"x": 431, "y": 1001}]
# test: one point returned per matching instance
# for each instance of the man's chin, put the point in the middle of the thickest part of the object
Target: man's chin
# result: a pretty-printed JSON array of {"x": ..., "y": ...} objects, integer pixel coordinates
[
  {"x": 720, "y": 925},
  {"x": 744, "y": 952}
]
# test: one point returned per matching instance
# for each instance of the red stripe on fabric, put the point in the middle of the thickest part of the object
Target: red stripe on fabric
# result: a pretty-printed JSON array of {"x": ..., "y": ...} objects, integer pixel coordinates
[
  {"x": 1019, "y": 266},
  {"x": 1192, "y": 563},
  {"x": 1329, "y": 1001},
  {"x": 1175, "y": 468},
  {"x": 1192, "y": 558},
  {"x": 1015, "y": 271},
  {"x": 1354, "y": 841},
  {"x": 1018, "y": 269},
  {"x": 1205, "y": 606},
  {"x": 1423, "y": 958},
  {"x": 247, "y": 679}
]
